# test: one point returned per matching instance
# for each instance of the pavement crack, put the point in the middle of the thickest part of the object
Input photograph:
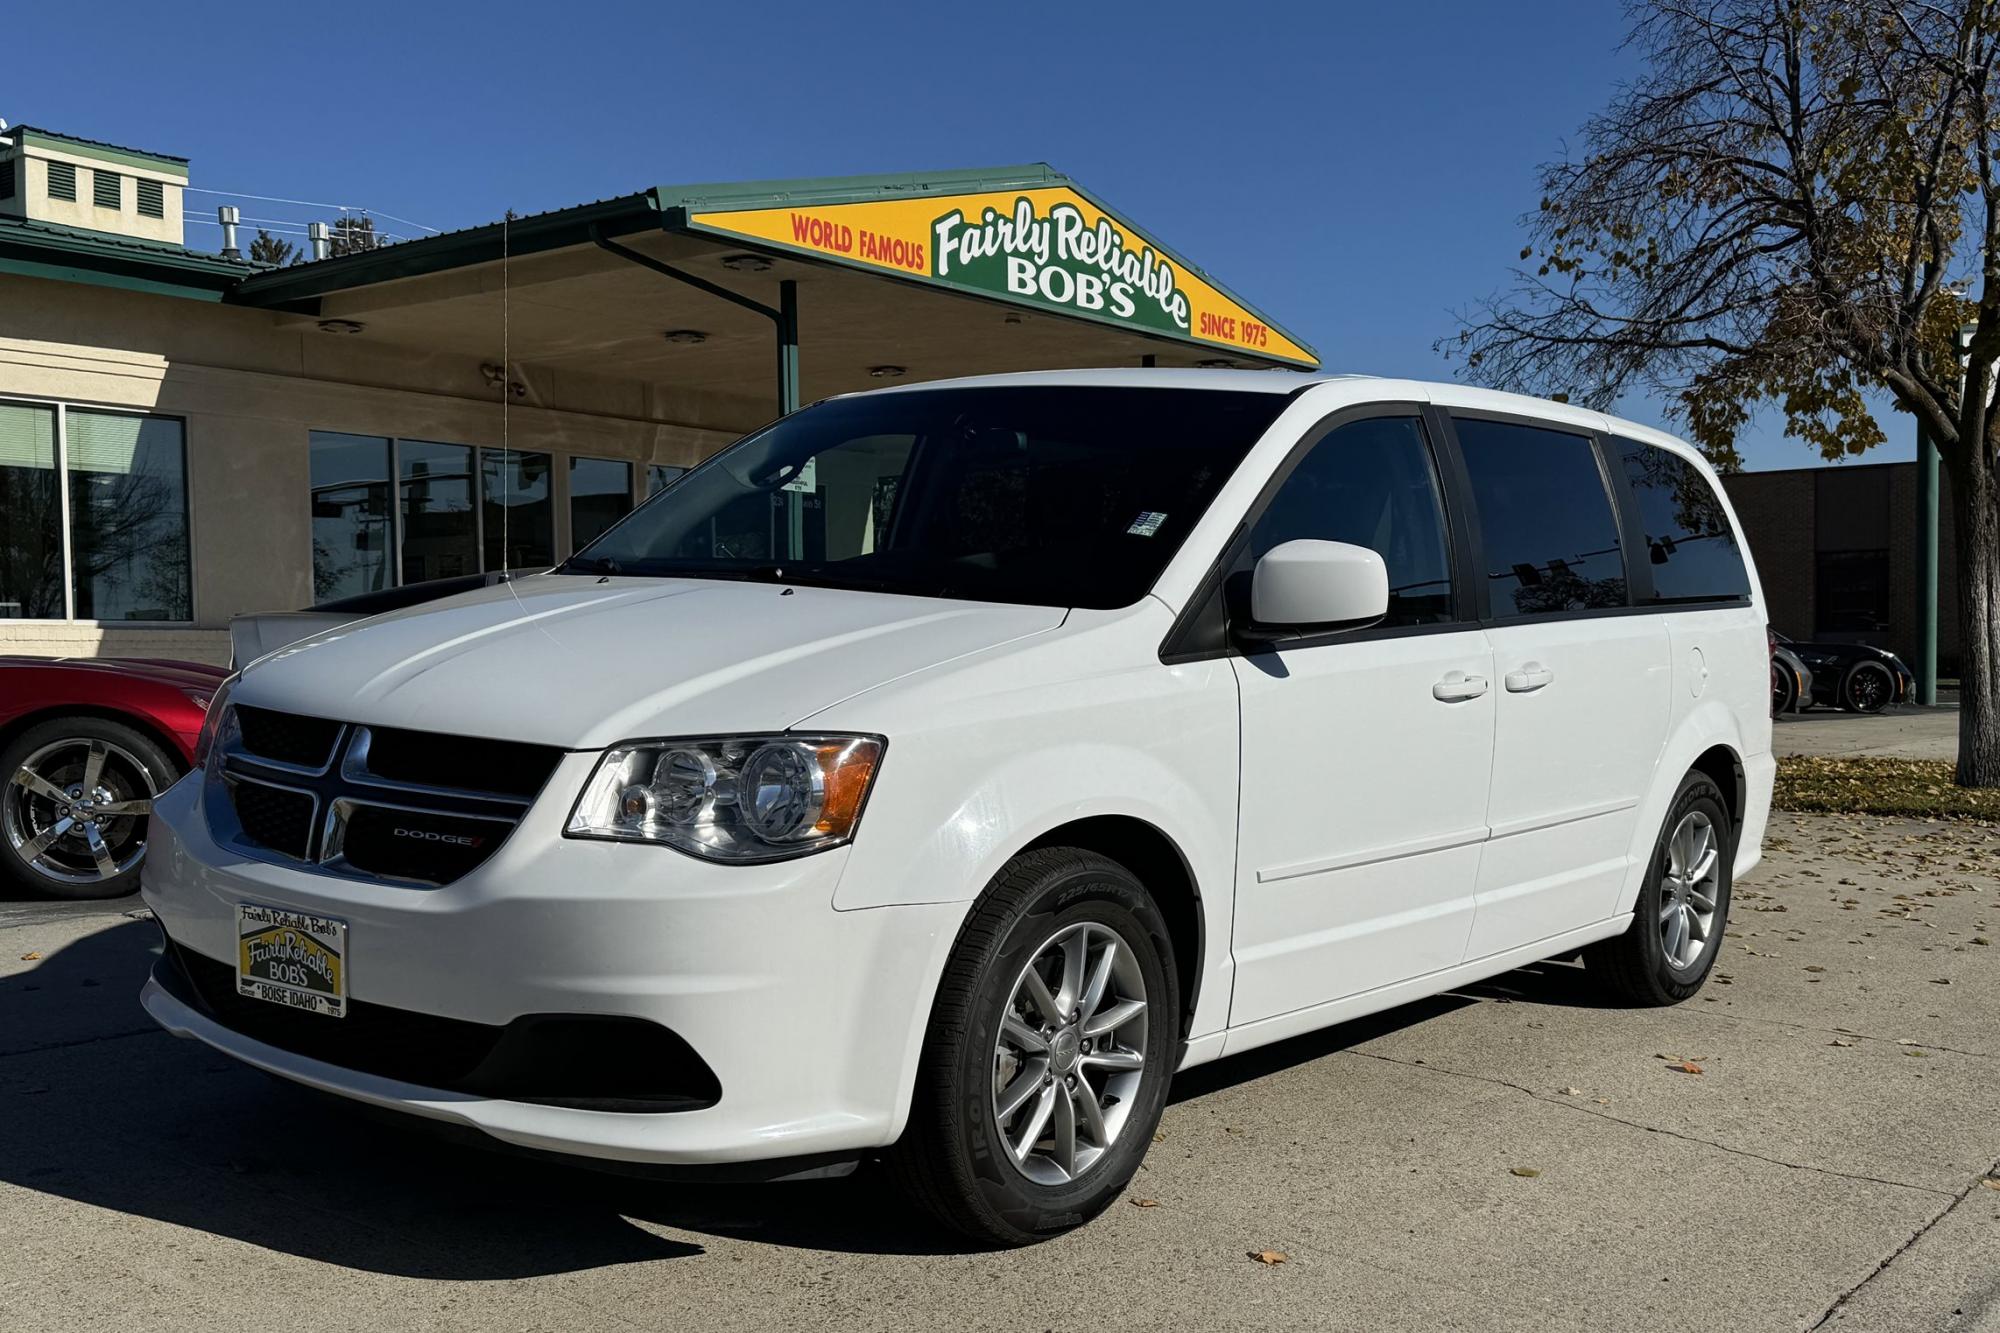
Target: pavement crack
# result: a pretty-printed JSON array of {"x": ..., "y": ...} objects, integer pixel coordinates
[
  {"x": 1889, "y": 1259},
  {"x": 1570, "y": 1104}
]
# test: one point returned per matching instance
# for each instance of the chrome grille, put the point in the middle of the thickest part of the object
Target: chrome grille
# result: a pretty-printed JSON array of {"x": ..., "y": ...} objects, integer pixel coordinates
[{"x": 366, "y": 802}]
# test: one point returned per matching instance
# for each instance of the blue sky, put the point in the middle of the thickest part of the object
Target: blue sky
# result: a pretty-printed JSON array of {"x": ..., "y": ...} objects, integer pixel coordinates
[{"x": 1357, "y": 171}]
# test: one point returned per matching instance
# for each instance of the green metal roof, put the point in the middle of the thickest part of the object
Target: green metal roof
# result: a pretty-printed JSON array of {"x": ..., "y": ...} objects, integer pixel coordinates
[
  {"x": 76, "y": 254},
  {"x": 165, "y": 163}
]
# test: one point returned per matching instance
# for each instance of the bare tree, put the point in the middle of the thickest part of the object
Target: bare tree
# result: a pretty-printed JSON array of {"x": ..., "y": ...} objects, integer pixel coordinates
[{"x": 1798, "y": 202}]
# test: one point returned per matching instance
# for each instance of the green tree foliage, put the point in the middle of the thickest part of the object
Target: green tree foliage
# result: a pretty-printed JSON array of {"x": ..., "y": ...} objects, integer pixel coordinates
[
  {"x": 1796, "y": 204},
  {"x": 273, "y": 250}
]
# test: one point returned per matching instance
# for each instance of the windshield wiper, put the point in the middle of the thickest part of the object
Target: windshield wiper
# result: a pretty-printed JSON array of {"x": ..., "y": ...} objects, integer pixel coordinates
[{"x": 596, "y": 564}]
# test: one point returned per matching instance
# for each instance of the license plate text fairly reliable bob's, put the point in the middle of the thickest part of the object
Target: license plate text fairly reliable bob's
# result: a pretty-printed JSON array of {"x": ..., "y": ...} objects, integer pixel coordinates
[{"x": 292, "y": 958}]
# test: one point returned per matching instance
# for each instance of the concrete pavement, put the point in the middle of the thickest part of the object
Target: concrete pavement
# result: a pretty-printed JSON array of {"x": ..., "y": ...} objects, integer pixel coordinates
[
  {"x": 1823, "y": 1171},
  {"x": 1906, "y": 732}
]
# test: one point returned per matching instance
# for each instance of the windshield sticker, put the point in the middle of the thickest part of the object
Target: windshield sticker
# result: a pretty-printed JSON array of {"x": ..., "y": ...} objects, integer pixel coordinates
[{"x": 1147, "y": 523}]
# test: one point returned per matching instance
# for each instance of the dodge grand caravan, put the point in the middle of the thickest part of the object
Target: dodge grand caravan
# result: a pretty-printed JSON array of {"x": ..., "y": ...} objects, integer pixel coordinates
[{"x": 932, "y": 774}]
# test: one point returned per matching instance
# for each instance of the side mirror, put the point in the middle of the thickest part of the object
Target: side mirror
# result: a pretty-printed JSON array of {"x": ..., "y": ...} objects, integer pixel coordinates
[{"x": 1317, "y": 585}]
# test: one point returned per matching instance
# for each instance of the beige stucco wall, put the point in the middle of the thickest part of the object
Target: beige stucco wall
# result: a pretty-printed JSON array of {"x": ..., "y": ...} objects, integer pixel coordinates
[{"x": 251, "y": 386}]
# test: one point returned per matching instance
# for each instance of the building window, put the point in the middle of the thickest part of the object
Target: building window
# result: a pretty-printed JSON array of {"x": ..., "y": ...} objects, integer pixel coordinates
[
  {"x": 107, "y": 189},
  {"x": 152, "y": 199},
  {"x": 31, "y": 561},
  {"x": 440, "y": 526},
  {"x": 353, "y": 529},
  {"x": 121, "y": 479},
  {"x": 600, "y": 493},
  {"x": 62, "y": 181},
  {"x": 517, "y": 510},
  {"x": 387, "y": 511},
  {"x": 1851, "y": 593},
  {"x": 659, "y": 476},
  {"x": 7, "y": 179},
  {"x": 128, "y": 508}
]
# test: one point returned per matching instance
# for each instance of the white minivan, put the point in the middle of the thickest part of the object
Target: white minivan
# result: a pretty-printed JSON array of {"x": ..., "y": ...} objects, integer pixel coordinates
[{"x": 932, "y": 774}]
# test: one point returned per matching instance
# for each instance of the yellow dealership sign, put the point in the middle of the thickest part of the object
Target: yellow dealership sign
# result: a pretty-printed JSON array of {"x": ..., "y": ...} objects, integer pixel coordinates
[{"x": 1047, "y": 246}]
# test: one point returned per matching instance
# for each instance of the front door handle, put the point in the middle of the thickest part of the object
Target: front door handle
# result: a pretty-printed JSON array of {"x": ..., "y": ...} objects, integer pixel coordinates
[
  {"x": 1531, "y": 676},
  {"x": 1457, "y": 687}
]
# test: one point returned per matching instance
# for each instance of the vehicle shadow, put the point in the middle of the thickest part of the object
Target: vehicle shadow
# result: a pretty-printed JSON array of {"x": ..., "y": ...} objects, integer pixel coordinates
[
  {"x": 104, "y": 1109},
  {"x": 107, "y": 1110}
]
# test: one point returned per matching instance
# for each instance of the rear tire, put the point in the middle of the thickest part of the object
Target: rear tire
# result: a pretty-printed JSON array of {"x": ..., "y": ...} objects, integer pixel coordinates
[
  {"x": 1092, "y": 1094},
  {"x": 1683, "y": 908}
]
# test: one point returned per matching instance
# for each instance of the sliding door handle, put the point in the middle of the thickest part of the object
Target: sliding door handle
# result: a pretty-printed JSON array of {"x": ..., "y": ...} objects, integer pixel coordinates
[
  {"x": 1457, "y": 687},
  {"x": 1531, "y": 676}
]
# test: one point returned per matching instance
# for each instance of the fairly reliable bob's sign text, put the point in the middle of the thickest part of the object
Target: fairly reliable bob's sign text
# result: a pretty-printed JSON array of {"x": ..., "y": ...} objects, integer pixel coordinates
[{"x": 1047, "y": 247}]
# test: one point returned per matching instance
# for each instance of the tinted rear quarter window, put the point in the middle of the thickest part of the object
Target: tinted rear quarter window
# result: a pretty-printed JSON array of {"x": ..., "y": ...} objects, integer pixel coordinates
[
  {"x": 1690, "y": 549},
  {"x": 1546, "y": 523}
]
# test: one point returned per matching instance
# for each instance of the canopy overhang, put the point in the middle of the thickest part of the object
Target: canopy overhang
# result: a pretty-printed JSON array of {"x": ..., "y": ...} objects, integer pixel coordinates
[{"x": 923, "y": 277}]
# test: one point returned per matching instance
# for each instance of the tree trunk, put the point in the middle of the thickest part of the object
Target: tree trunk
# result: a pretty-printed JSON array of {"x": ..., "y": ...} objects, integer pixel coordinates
[{"x": 1976, "y": 517}]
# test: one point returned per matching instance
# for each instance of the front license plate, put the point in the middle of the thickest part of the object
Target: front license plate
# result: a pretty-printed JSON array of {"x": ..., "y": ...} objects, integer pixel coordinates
[{"x": 292, "y": 958}]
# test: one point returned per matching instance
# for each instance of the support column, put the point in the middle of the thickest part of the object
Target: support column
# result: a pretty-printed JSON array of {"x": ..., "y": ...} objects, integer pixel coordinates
[
  {"x": 788, "y": 347},
  {"x": 1927, "y": 568}
]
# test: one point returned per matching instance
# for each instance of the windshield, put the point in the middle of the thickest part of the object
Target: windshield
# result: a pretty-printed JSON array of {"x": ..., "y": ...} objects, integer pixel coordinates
[{"x": 1054, "y": 495}]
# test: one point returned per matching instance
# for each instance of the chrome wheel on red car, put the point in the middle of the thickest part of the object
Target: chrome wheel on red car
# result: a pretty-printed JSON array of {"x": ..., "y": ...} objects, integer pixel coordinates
[{"x": 74, "y": 810}]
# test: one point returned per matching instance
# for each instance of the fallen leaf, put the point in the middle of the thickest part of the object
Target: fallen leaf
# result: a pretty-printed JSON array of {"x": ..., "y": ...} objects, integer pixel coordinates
[
  {"x": 1268, "y": 1257},
  {"x": 1991, "y": 1182},
  {"x": 1840, "y": 1041},
  {"x": 1815, "y": 967},
  {"x": 1905, "y": 1041},
  {"x": 1528, "y": 1171},
  {"x": 1685, "y": 1067},
  {"x": 1572, "y": 1092},
  {"x": 31, "y": 955},
  {"x": 1918, "y": 1054},
  {"x": 1145, "y": 1203}
]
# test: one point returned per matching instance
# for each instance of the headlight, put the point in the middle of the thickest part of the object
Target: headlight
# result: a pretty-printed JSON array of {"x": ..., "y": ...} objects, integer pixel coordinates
[
  {"x": 740, "y": 798},
  {"x": 211, "y": 723}
]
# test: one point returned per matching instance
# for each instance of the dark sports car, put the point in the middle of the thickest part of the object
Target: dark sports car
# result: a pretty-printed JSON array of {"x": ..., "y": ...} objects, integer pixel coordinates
[{"x": 1853, "y": 676}]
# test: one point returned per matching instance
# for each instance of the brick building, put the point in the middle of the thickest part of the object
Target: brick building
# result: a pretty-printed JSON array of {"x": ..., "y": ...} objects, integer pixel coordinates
[{"x": 1836, "y": 549}]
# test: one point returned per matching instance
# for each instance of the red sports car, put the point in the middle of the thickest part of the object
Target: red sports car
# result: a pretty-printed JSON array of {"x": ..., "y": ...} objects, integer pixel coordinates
[{"x": 85, "y": 745}]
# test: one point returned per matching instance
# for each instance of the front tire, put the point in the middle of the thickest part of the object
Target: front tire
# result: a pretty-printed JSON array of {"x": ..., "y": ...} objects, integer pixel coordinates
[
  {"x": 1676, "y": 932},
  {"x": 1050, "y": 1048},
  {"x": 74, "y": 805}
]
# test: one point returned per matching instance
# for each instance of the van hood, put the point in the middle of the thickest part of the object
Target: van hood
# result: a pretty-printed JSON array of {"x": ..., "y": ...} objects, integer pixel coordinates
[{"x": 584, "y": 662}]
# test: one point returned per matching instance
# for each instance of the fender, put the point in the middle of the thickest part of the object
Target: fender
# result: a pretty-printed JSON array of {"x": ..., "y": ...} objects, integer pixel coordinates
[{"x": 1709, "y": 723}]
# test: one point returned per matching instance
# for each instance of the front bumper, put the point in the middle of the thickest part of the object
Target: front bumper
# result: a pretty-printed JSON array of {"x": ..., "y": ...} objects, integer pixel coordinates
[{"x": 810, "y": 1019}]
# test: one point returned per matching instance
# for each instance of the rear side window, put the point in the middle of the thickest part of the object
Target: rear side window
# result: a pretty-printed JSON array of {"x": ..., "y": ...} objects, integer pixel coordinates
[
  {"x": 1689, "y": 545},
  {"x": 1370, "y": 483},
  {"x": 1545, "y": 520}
]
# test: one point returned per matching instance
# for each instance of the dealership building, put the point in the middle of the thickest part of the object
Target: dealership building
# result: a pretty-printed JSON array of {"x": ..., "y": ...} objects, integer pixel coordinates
[{"x": 186, "y": 436}]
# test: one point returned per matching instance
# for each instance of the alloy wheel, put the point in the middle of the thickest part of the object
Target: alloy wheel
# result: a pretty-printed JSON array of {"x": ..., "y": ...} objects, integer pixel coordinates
[
  {"x": 75, "y": 810},
  {"x": 1688, "y": 888},
  {"x": 1071, "y": 1053}
]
